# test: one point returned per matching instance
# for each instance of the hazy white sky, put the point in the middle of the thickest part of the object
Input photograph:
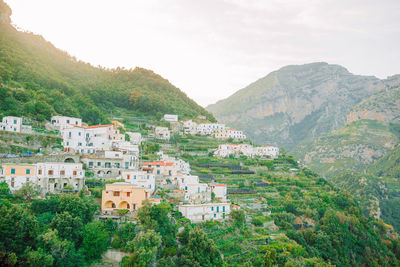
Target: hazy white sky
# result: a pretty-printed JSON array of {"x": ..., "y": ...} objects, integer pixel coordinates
[{"x": 211, "y": 48}]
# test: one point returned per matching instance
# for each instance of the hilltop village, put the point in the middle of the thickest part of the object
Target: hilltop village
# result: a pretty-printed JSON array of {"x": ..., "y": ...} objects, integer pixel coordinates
[
  {"x": 158, "y": 191},
  {"x": 114, "y": 156}
]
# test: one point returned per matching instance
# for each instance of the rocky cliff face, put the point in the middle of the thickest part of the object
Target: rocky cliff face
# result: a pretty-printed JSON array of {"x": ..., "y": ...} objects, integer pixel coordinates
[
  {"x": 296, "y": 103},
  {"x": 383, "y": 107}
]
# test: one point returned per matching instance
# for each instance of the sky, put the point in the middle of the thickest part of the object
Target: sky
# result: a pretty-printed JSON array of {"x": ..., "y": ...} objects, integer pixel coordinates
[{"x": 211, "y": 48}]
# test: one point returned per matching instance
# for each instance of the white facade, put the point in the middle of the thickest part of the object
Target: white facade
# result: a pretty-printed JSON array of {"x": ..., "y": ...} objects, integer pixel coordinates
[
  {"x": 136, "y": 138},
  {"x": 88, "y": 140},
  {"x": 209, "y": 128},
  {"x": 271, "y": 151},
  {"x": 139, "y": 179},
  {"x": 220, "y": 191},
  {"x": 235, "y": 134},
  {"x": 62, "y": 122},
  {"x": 207, "y": 211},
  {"x": 170, "y": 117},
  {"x": 11, "y": 124},
  {"x": 189, "y": 127},
  {"x": 53, "y": 177},
  {"x": 246, "y": 149},
  {"x": 162, "y": 133}
]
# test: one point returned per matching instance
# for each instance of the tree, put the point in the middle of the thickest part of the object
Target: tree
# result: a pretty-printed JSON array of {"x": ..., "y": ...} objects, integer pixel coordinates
[
  {"x": 27, "y": 192},
  {"x": 145, "y": 247},
  {"x": 238, "y": 217},
  {"x": 199, "y": 251},
  {"x": 94, "y": 241},
  {"x": 4, "y": 190},
  {"x": 63, "y": 251},
  {"x": 156, "y": 218},
  {"x": 38, "y": 258},
  {"x": 68, "y": 227},
  {"x": 18, "y": 229},
  {"x": 124, "y": 234}
]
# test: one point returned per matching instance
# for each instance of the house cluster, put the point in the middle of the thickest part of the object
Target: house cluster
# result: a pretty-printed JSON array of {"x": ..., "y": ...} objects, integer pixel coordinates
[
  {"x": 47, "y": 177},
  {"x": 81, "y": 138},
  {"x": 14, "y": 124},
  {"x": 216, "y": 130},
  {"x": 247, "y": 150},
  {"x": 197, "y": 201}
]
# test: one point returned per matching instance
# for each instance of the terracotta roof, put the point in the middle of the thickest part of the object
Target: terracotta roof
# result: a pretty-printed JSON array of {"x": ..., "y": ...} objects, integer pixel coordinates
[
  {"x": 98, "y": 126},
  {"x": 218, "y": 185}
]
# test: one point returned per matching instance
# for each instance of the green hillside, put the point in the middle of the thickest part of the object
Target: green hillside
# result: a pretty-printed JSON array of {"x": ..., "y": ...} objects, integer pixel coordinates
[
  {"x": 388, "y": 165},
  {"x": 352, "y": 147},
  {"x": 38, "y": 80}
]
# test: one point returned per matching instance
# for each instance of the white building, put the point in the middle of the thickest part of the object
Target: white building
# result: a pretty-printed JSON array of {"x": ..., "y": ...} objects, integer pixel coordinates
[
  {"x": 235, "y": 134},
  {"x": 11, "y": 124},
  {"x": 220, "y": 191},
  {"x": 247, "y": 150},
  {"x": 266, "y": 150},
  {"x": 135, "y": 138},
  {"x": 209, "y": 128},
  {"x": 162, "y": 133},
  {"x": 225, "y": 150},
  {"x": 62, "y": 122},
  {"x": 205, "y": 211},
  {"x": 189, "y": 127},
  {"x": 54, "y": 177},
  {"x": 89, "y": 139},
  {"x": 170, "y": 117},
  {"x": 139, "y": 179}
]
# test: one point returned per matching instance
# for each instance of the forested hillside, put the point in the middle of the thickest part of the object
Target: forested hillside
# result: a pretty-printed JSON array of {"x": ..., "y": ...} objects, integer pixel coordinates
[{"x": 38, "y": 80}]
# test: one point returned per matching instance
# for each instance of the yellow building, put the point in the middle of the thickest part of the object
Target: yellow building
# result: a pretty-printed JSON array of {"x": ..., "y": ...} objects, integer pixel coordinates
[{"x": 118, "y": 196}]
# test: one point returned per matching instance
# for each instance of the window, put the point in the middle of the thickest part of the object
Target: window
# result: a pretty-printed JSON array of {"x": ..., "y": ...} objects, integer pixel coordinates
[
  {"x": 217, "y": 209},
  {"x": 169, "y": 172},
  {"x": 76, "y": 123},
  {"x": 79, "y": 133},
  {"x": 128, "y": 194},
  {"x": 40, "y": 172},
  {"x": 27, "y": 179},
  {"x": 128, "y": 177},
  {"x": 15, "y": 121},
  {"x": 90, "y": 163},
  {"x": 223, "y": 208},
  {"x": 212, "y": 208},
  {"x": 158, "y": 171},
  {"x": 107, "y": 164},
  {"x": 134, "y": 206},
  {"x": 215, "y": 215},
  {"x": 67, "y": 121},
  {"x": 69, "y": 134},
  {"x": 116, "y": 194},
  {"x": 79, "y": 144},
  {"x": 50, "y": 172},
  {"x": 12, "y": 171},
  {"x": 62, "y": 172},
  {"x": 74, "y": 173},
  {"x": 98, "y": 163}
]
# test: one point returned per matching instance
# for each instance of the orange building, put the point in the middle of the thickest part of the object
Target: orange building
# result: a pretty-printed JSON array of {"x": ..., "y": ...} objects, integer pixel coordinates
[
  {"x": 17, "y": 175},
  {"x": 118, "y": 196}
]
